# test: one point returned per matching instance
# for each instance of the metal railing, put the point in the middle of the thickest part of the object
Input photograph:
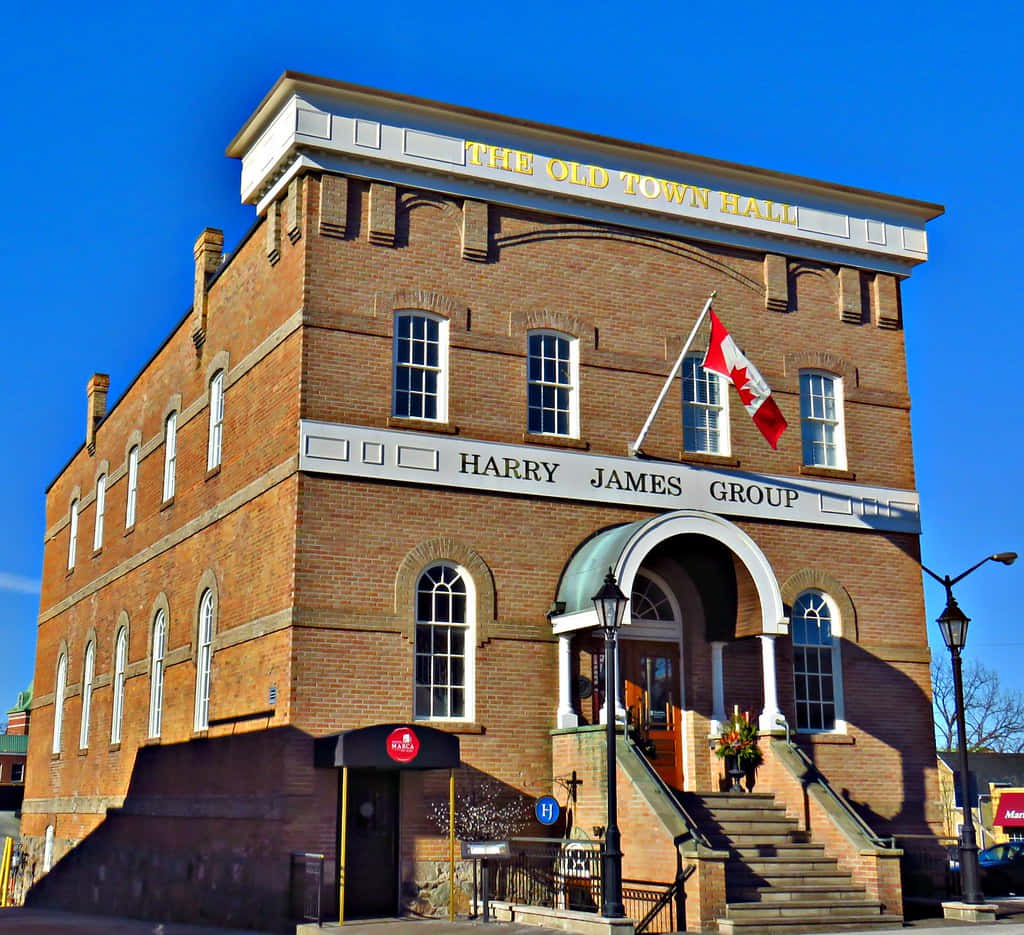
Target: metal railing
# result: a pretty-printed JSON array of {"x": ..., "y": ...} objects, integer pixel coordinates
[
  {"x": 819, "y": 779},
  {"x": 565, "y": 874},
  {"x": 307, "y": 888}
]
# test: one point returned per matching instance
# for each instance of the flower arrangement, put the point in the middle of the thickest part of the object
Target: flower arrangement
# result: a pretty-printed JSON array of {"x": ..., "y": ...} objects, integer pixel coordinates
[{"x": 739, "y": 740}]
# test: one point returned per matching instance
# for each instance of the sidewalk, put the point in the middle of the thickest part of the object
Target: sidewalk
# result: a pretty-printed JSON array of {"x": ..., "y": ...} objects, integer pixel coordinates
[{"x": 20, "y": 921}]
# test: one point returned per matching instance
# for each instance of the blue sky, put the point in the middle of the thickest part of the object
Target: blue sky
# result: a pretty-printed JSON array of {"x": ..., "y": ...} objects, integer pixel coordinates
[{"x": 115, "y": 122}]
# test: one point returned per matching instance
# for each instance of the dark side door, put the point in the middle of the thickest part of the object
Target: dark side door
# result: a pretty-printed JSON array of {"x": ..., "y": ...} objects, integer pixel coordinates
[{"x": 371, "y": 872}]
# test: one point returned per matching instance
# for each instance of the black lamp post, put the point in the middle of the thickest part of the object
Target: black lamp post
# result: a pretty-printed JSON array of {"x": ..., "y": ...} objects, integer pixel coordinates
[
  {"x": 610, "y": 604},
  {"x": 953, "y": 624}
]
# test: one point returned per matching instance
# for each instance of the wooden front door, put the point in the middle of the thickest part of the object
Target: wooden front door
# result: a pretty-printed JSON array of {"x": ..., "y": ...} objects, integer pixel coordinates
[{"x": 651, "y": 675}]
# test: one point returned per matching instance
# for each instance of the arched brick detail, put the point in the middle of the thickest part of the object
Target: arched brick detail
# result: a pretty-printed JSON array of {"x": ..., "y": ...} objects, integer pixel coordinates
[
  {"x": 813, "y": 579},
  {"x": 385, "y": 304},
  {"x": 220, "y": 361},
  {"x": 820, "y": 360},
  {"x": 208, "y": 582},
  {"x": 123, "y": 623},
  {"x": 445, "y": 549},
  {"x": 91, "y": 637},
  {"x": 521, "y": 322},
  {"x": 159, "y": 604}
]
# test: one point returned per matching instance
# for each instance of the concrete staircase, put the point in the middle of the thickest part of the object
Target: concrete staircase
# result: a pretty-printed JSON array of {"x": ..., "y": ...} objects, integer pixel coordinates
[{"x": 777, "y": 881}]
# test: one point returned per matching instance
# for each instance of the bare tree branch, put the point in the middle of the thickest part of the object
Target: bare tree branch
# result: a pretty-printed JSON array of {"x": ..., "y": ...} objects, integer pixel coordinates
[{"x": 994, "y": 715}]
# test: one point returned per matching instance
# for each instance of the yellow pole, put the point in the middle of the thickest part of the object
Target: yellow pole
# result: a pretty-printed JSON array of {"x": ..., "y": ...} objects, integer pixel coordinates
[
  {"x": 451, "y": 845},
  {"x": 5, "y": 870},
  {"x": 342, "y": 835}
]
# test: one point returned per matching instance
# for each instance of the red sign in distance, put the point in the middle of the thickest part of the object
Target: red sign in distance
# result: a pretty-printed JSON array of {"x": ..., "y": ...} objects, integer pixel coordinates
[{"x": 403, "y": 745}]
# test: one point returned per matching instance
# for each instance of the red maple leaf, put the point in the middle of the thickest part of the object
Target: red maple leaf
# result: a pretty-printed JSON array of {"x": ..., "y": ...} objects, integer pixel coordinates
[{"x": 740, "y": 380}]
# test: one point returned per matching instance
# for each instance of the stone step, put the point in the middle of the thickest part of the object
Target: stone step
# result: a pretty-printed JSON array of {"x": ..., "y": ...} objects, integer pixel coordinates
[
  {"x": 752, "y": 820},
  {"x": 796, "y": 864},
  {"x": 802, "y": 909},
  {"x": 748, "y": 839},
  {"x": 793, "y": 890},
  {"x": 838, "y": 923},
  {"x": 788, "y": 849},
  {"x": 782, "y": 878}
]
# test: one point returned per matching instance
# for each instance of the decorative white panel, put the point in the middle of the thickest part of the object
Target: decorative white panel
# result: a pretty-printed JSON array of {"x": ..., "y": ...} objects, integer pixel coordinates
[
  {"x": 823, "y": 222},
  {"x": 314, "y": 123},
  {"x": 433, "y": 146},
  {"x": 367, "y": 133}
]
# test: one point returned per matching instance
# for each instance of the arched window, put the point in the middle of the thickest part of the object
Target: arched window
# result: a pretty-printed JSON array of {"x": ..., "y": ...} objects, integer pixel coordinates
[
  {"x": 204, "y": 647},
  {"x": 72, "y": 533},
  {"x": 156, "y": 673},
  {"x": 420, "y": 366},
  {"x": 88, "y": 673},
  {"x": 444, "y": 644},
  {"x": 216, "y": 420},
  {"x": 58, "y": 700},
  {"x": 170, "y": 454},
  {"x": 649, "y": 602},
  {"x": 101, "y": 509},
  {"x": 552, "y": 377},
  {"x": 133, "y": 486},
  {"x": 817, "y": 663},
  {"x": 120, "y": 664}
]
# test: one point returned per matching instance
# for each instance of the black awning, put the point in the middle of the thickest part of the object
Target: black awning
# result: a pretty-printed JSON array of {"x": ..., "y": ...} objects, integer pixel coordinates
[{"x": 388, "y": 746}]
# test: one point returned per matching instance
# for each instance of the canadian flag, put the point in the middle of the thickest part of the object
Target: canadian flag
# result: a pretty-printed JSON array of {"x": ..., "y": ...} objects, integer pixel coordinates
[{"x": 724, "y": 357}]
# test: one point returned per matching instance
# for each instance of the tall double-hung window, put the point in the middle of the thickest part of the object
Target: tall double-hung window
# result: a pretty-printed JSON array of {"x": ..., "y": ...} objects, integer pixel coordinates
[
  {"x": 216, "y": 420},
  {"x": 552, "y": 378},
  {"x": 204, "y": 658},
  {"x": 133, "y": 487},
  {"x": 817, "y": 669},
  {"x": 101, "y": 512},
  {"x": 156, "y": 674},
  {"x": 444, "y": 645},
  {"x": 59, "y": 691},
  {"x": 170, "y": 454},
  {"x": 821, "y": 420},
  {"x": 120, "y": 665},
  {"x": 705, "y": 409},
  {"x": 72, "y": 534},
  {"x": 88, "y": 674},
  {"x": 420, "y": 367}
]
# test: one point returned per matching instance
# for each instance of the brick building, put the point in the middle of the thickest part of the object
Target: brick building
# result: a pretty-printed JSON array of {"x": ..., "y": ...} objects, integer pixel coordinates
[{"x": 375, "y": 474}]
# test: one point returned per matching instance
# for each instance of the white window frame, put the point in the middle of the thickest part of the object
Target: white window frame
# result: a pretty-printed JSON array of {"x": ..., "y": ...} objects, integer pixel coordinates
[
  {"x": 88, "y": 676},
  {"x": 570, "y": 386},
  {"x": 815, "y": 419},
  {"x": 60, "y": 690},
  {"x": 213, "y": 448},
  {"x": 156, "y": 673},
  {"x": 101, "y": 510},
  {"x": 468, "y": 656},
  {"x": 73, "y": 534},
  {"x": 170, "y": 454},
  {"x": 836, "y": 631},
  {"x": 204, "y": 658},
  {"x": 48, "y": 849},
  {"x": 120, "y": 665},
  {"x": 412, "y": 367},
  {"x": 693, "y": 363},
  {"x": 133, "y": 487}
]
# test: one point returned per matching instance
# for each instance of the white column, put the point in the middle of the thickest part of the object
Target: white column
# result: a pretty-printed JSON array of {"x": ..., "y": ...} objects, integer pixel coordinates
[
  {"x": 566, "y": 716},
  {"x": 718, "y": 715},
  {"x": 767, "y": 722}
]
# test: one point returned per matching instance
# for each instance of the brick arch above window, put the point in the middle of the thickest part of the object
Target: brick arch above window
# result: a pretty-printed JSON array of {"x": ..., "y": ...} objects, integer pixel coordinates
[
  {"x": 218, "y": 361},
  {"x": 102, "y": 468},
  {"x": 386, "y": 303},
  {"x": 521, "y": 323},
  {"x": 207, "y": 582},
  {"x": 134, "y": 441},
  {"x": 173, "y": 404},
  {"x": 820, "y": 360},
  {"x": 91, "y": 637},
  {"x": 159, "y": 604},
  {"x": 451, "y": 551},
  {"x": 123, "y": 623},
  {"x": 813, "y": 579}
]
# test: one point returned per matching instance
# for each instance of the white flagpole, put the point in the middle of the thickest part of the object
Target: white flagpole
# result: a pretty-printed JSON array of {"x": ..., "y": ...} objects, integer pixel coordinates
[{"x": 635, "y": 447}]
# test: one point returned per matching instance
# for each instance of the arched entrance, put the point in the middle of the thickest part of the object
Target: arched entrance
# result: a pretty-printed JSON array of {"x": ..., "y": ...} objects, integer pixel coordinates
[{"x": 698, "y": 583}]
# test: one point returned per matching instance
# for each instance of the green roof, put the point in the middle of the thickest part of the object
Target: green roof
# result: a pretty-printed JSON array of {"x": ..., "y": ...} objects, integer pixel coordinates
[
  {"x": 24, "y": 701},
  {"x": 13, "y": 743}
]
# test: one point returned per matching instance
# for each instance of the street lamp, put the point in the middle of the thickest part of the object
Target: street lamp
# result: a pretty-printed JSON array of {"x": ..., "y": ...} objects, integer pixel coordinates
[
  {"x": 953, "y": 624},
  {"x": 610, "y": 604}
]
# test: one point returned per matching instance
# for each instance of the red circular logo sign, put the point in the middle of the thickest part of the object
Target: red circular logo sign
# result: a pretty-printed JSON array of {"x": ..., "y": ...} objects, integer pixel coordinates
[{"x": 403, "y": 745}]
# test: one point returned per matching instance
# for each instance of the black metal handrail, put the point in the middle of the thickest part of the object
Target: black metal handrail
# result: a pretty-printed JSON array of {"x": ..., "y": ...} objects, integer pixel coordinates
[
  {"x": 819, "y": 779},
  {"x": 691, "y": 826},
  {"x": 672, "y": 898}
]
